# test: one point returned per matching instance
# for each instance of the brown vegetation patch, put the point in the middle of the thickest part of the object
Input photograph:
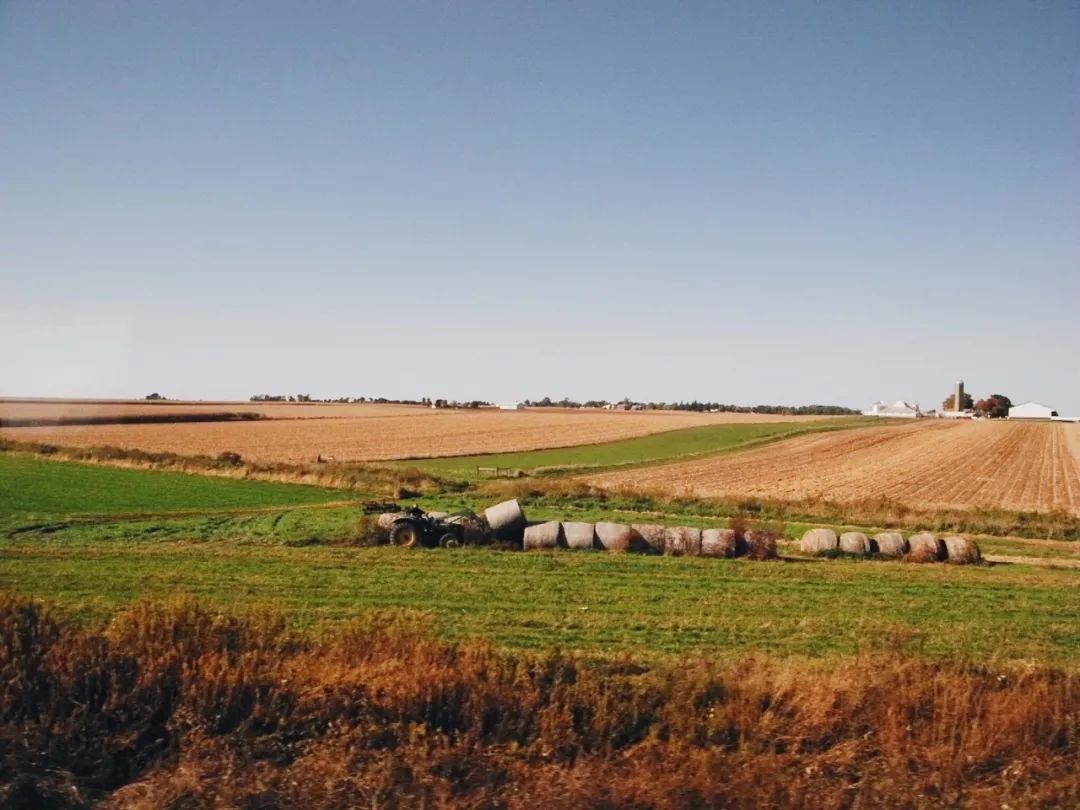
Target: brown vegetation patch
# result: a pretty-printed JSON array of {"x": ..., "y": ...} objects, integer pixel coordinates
[{"x": 180, "y": 706}]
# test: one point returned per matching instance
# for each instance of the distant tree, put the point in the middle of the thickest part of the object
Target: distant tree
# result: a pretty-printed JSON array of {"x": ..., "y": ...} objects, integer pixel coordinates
[
  {"x": 968, "y": 403},
  {"x": 155, "y": 396},
  {"x": 995, "y": 406}
]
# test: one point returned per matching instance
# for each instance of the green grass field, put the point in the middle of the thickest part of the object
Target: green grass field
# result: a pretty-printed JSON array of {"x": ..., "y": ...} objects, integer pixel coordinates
[
  {"x": 40, "y": 487},
  {"x": 261, "y": 544},
  {"x": 674, "y": 444}
]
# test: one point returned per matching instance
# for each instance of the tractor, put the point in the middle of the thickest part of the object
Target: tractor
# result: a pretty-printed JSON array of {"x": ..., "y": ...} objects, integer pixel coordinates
[{"x": 418, "y": 528}]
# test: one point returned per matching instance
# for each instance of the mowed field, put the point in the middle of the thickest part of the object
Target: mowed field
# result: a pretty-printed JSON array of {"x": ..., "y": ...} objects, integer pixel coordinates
[
  {"x": 383, "y": 433},
  {"x": 927, "y": 464}
]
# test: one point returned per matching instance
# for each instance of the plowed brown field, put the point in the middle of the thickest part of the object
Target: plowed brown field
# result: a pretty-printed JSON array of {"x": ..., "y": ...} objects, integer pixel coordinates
[
  {"x": 386, "y": 432},
  {"x": 927, "y": 464}
]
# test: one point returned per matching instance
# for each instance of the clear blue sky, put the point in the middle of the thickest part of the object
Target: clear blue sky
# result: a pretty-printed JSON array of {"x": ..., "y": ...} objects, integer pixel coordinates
[{"x": 747, "y": 202}]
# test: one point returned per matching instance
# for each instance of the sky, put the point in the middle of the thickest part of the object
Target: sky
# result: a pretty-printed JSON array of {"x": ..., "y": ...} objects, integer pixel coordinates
[{"x": 783, "y": 203}]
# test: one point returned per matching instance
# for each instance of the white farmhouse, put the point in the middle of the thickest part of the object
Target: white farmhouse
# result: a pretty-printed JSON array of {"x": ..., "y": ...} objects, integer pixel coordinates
[
  {"x": 1031, "y": 410},
  {"x": 899, "y": 409}
]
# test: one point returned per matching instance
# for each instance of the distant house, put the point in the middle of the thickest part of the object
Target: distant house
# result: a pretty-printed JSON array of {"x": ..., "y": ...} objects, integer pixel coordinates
[
  {"x": 898, "y": 410},
  {"x": 511, "y": 406},
  {"x": 1031, "y": 410}
]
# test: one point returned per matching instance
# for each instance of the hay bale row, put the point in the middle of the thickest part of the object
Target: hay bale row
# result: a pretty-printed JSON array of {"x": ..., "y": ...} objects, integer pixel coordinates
[
  {"x": 719, "y": 543},
  {"x": 816, "y": 541},
  {"x": 922, "y": 547},
  {"x": 506, "y": 521},
  {"x": 614, "y": 536},
  {"x": 542, "y": 536}
]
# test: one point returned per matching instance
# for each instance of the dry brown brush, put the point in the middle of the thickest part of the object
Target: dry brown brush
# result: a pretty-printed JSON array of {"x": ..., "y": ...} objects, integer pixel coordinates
[{"x": 176, "y": 705}]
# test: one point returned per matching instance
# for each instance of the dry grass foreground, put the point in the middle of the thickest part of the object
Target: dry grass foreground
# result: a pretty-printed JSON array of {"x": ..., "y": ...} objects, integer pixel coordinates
[
  {"x": 387, "y": 433},
  {"x": 927, "y": 464},
  {"x": 176, "y": 706}
]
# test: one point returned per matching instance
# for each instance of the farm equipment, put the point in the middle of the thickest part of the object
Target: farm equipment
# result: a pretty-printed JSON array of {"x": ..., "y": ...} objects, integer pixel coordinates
[{"x": 415, "y": 527}]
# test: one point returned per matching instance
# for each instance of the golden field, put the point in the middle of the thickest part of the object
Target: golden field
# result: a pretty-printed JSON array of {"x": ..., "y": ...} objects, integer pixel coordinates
[
  {"x": 927, "y": 464},
  {"x": 378, "y": 432}
]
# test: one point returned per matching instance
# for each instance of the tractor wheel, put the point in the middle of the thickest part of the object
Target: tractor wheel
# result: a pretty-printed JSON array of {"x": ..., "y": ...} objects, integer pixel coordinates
[
  {"x": 404, "y": 535},
  {"x": 449, "y": 540}
]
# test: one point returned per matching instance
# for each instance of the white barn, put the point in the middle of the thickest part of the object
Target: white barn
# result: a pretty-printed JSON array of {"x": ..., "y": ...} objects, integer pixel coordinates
[
  {"x": 511, "y": 406},
  {"x": 1031, "y": 410},
  {"x": 899, "y": 409}
]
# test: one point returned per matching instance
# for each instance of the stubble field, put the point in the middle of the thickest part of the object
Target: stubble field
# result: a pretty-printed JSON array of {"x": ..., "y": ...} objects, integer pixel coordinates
[
  {"x": 927, "y": 464},
  {"x": 382, "y": 432}
]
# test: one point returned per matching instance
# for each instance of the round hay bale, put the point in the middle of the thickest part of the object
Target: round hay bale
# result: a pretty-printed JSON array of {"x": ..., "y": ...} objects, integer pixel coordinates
[
  {"x": 506, "y": 520},
  {"x": 760, "y": 545},
  {"x": 386, "y": 519},
  {"x": 542, "y": 536},
  {"x": 816, "y": 541},
  {"x": 647, "y": 538},
  {"x": 718, "y": 543},
  {"x": 682, "y": 541},
  {"x": 854, "y": 543},
  {"x": 579, "y": 536},
  {"x": 889, "y": 544},
  {"x": 961, "y": 551},
  {"x": 925, "y": 547},
  {"x": 614, "y": 536}
]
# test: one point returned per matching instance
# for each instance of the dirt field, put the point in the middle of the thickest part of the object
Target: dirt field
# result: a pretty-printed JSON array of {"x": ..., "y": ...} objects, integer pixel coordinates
[
  {"x": 384, "y": 432},
  {"x": 928, "y": 464}
]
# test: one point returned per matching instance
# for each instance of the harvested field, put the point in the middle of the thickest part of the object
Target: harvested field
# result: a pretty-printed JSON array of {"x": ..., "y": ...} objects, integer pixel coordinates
[
  {"x": 76, "y": 409},
  {"x": 927, "y": 464},
  {"x": 385, "y": 433}
]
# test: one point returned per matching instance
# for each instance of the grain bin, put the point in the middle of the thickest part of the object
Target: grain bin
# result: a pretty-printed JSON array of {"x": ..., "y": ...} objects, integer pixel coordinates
[
  {"x": 889, "y": 544},
  {"x": 925, "y": 547},
  {"x": 506, "y": 520},
  {"x": 854, "y": 543},
  {"x": 961, "y": 550},
  {"x": 614, "y": 536},
  {"x": 816, "y": 541},
  {"x": 579, "y": 536},
  {"x": 718, "y": 543},
  {"x": 682, "y": 541},
  {"x": 543, "y": 535},
  {"x": 647, "y": 538}
]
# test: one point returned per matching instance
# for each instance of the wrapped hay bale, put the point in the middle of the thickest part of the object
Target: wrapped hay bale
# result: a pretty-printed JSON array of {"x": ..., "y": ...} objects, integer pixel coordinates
[
  {"x": 386, "y": 519},
  {"x": 760, "y": 545},
  {"x": 614, "y": 536},
  {"x": 961, "y": 551},
  {"x": 682, "y": 541},
  {"x": 647, "y": 538},
  {"x": 889, "y": 544},
  {"x": 854, "y": 543},
  {"x": 925, "y": 547},
  {"x": 579, "y": 536},
  {"x": 542, "y": 536},
  {"x": 718, "y": 543},
  {"x": 439, "y": 515},
  {"x": 506, "y": 520},
  {"x": 816, "y": 541}
]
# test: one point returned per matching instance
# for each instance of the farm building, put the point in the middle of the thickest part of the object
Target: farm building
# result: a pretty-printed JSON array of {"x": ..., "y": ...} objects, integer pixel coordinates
[
  {"x": 899, "y": 409},
  {"x": 511, "y": 406},
  {"x": 1031, "y": 410}
]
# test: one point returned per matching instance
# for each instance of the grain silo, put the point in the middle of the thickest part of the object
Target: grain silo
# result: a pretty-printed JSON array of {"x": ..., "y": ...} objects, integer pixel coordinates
[{"x": 958, "y": 400}]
